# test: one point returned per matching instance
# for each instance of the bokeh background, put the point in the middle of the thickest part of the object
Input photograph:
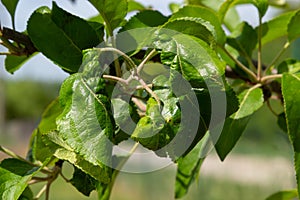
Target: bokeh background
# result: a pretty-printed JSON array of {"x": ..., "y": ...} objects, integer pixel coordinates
[{"x": 260, "y": 164}]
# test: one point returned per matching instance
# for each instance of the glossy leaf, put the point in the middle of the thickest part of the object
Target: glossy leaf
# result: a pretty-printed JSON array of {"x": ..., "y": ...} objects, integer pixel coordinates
[
  {"x": 204, "y": 20},
  {"x": 250, "y": 101},
  {"x": 112, "y": 12},
  {"x": 188, "y": 169},
  {"x": 284, "y": 195},
  {"x": 293, "y": 27},
  {"x": 149, "y": 130},
  {"x": 83, "y": 182},
  {"x": 11, "y": 6},
  {"x": 86, "y": 124},
  {"x": 13, "y": 63},
  {"x": 277, "y": 27}
]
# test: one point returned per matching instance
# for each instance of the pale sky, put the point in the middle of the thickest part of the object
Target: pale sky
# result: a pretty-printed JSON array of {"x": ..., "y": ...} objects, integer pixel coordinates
[{"x": 39, "y": 67}]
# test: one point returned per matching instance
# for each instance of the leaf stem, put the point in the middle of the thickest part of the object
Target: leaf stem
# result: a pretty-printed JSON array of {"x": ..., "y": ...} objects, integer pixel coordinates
[
  {"x": 124, "y": 55},
  {"x": 286, "y": 45},
  {"x": 271, "y": 109},
  {"x": 41, "y": 192},
  {"x": 259, "y": 52},
  {"x": 270, "y": 77},
  {"x": 116, "y": 79},
  {"x": 241, "y": 65},
  {"x": 148, "y": 57},
  {"x": 146, "y": 87}
]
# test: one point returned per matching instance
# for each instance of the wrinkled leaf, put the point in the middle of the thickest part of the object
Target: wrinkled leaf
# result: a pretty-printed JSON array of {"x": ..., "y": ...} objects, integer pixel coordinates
[
  {"x": 112, "y": 12},
  {"x": 86, "y": 124},
  {"x": 284, "y": 195},
  {"x": 293, "y": 27},
  {"x": 151, "y": 130}
]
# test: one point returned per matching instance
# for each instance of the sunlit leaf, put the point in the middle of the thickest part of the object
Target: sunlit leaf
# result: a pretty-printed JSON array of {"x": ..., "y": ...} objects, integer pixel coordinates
[
  {"x": 284, "y": 195},
  {"x": 293, "y": 27},
  {"x": 206, "y": 23},
  {"x": 112, "y": 12},
  {"x": 250, "y": 101}
]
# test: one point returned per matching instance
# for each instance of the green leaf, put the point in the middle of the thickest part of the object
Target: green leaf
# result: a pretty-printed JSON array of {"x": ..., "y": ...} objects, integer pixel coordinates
[
  {"x": 146, "y": 18},
  {"x": 291, "y": 96},
  {"x": 149, "y": 130},
  {"x": 39, "y": 151},
  {"x": 243, "y": 39},
  {"x": 277, "y": 27},
  {"x": 281, "y": 121},
  {"x": 231, "y": 133},
  {"x": 250, "y": 101},
  {"x": 293, "y": 27},
  {"x": 289, "y": 65},
  {"x": 86, "y": 124},
  {"x": 201, "y": 19},
  {"x": 26, "y": 195},
  {"x": 188, "y": 169},
  {"x": 261, "y": 5},
  {"x": 83, "y": 182},
  {"x": 113, "y": 12},
  {"x": 13, "y": 63},
  {"x": 69, "y": 35},
  {"x": 126, "y": 117},
  {"x": 137, "y": 32},
  {"x": 77, "y": 29},
  {"x": 11, "y": 6},
  {"x": 14, "y": 178},
  {"x": 174, "y": 7},
  {"x": 284, "y": 195},
  {"x": 134, "y": 5}
]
